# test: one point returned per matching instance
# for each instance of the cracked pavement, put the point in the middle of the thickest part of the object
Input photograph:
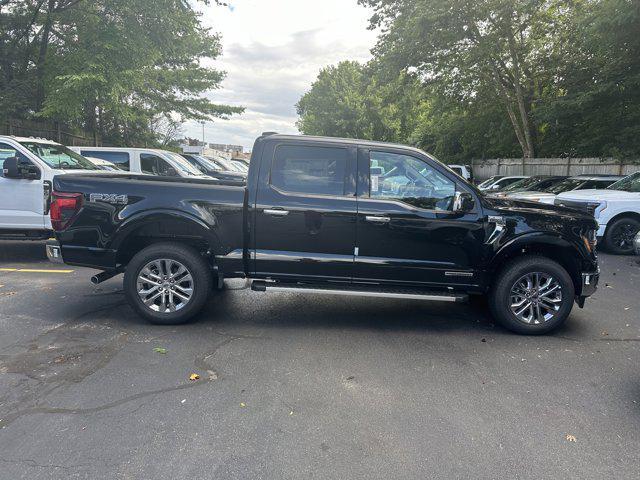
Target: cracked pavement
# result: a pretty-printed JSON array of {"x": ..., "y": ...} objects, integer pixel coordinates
[{"x": 303, "y": 386}]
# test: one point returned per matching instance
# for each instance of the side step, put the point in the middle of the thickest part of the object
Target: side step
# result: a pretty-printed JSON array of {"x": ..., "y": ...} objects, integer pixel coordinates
[{"x": 361, "y": 291}]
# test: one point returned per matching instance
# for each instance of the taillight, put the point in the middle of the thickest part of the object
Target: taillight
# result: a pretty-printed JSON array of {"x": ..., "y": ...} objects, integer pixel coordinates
[{"x": 64, "y": 206}]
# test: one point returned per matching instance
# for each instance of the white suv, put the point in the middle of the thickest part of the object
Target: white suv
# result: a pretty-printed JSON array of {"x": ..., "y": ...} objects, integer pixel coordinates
[
  {"x": 148, "y": 161},
  {"x": 28, "y": 166},
  {"x": 616, "y": 208}
]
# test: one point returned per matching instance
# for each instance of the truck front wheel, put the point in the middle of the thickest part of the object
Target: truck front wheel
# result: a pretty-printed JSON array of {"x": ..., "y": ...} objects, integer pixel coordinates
[
  {"x": 167, "y": 283},
  {"x": 532, "y": 295}
]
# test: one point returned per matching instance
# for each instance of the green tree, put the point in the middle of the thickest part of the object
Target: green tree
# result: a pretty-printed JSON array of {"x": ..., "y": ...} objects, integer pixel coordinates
[{"x": 109, "y": 66}]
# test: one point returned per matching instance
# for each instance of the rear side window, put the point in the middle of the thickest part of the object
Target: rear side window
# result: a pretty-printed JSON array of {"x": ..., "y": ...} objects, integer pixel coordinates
[
  {"x": 119, "y": 159},
  {"x": 311, "y": 170}
]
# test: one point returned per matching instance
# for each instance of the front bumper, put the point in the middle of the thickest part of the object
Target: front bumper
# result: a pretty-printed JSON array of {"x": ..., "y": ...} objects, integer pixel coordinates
[
  {"x": 590, "y": 283},
  {"x": 54, "y": 253}
]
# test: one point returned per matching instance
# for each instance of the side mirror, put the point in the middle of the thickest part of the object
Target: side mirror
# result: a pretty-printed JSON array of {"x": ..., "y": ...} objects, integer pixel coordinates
[
  {"x": 19, "y": 168},
  {"x": 463, "y": 202}
]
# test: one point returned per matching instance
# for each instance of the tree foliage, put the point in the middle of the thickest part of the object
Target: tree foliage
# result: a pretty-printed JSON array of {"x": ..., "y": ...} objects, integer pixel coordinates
[
  {"x": 108, "y": 66},
  {"x": 495, "y": 78}
]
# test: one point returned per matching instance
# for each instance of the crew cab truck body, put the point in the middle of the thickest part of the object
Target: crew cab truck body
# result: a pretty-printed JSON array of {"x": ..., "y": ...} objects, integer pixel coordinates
[
  {"x": 27, "y": 168},
  {"x": 616, "y": 208},
  {"x": 332, "y": 216}
]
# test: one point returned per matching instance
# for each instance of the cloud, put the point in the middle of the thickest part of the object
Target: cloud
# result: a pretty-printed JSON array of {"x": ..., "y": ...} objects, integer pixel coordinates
[{"x": 273, "y": 51}]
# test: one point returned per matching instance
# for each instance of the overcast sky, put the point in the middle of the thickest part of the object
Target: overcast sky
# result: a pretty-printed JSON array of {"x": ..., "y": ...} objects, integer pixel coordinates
[{"x": 273, "y": 51}]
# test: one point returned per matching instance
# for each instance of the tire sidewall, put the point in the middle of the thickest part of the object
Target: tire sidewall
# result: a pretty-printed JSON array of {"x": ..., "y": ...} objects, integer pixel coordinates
[
  {"x": 500, "y": 301},
  {"x": 609, "y": 234},
  {"x": 191, "y": 259}
]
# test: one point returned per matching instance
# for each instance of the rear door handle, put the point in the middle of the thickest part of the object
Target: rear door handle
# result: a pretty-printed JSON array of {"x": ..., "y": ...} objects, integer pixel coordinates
[
  {"x": 276, "y": 213},
  {"x": 374, "y": 219}
]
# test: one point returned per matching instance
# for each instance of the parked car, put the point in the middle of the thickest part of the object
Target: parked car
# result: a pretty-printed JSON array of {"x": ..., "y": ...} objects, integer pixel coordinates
[
  {"x": 616, "y": 208},
  {"x": 423, "y": 233},
  {"x": 28, "y": 168},
  {"x": 464, "y": 171},
  {"x": 580, "y": 182},
  {"x": 499, "y": 182},
  {"x": 212, "y": 168},
  {"x": 144, "y": 160},
  {"x": 534, "y": 183}
]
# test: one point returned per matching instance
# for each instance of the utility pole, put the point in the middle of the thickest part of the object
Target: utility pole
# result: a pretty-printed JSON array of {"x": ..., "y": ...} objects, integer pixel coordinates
[{"x": 202, "y": 122}]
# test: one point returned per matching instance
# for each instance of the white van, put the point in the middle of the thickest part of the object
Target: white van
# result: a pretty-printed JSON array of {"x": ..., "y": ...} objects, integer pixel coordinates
[
  {"x": 143, "y": 160},
  {"x": 28, "y": 167}
]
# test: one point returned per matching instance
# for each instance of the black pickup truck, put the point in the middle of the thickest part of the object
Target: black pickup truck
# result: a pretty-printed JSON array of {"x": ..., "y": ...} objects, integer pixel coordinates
[{"x": 327, "y": 216}]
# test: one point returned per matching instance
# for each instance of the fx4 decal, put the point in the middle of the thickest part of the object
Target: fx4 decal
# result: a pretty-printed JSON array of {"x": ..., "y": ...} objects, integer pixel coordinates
[{"x": 109, "y": 198}]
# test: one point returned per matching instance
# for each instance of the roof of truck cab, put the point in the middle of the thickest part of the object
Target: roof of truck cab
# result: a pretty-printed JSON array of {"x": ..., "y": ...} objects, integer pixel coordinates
[
  {"x": 350, "y": 141},
  {"x": 29, "y": 139},
  {"x": 597, "y": 177}
]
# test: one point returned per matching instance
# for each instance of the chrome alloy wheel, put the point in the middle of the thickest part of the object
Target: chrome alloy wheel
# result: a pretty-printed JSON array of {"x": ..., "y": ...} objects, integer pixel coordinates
[
  {"x": 165, "y": 285},
  {"x": 536, "y": 298}
]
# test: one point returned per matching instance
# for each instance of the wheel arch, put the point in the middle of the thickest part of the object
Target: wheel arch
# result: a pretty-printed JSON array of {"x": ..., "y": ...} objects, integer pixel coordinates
[
  {"x": 152, "y": 227},
  {"x": 618, "y": 216},
  {"x": 554, "y": 247}
]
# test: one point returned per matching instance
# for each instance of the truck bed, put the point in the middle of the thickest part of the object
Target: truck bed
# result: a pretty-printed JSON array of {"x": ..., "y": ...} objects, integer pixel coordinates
[{"x": 118, "y": 210}]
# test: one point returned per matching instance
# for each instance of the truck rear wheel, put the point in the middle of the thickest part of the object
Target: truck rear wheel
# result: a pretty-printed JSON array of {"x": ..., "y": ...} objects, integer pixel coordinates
[
  {"x": 620, "y": 235},
  {"x": 167, "y": 283},
  {"x": 532, "y": 295}
]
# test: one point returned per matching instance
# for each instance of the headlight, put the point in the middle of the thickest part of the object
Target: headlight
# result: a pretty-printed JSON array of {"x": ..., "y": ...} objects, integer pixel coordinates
[
  {"x": 590, "y": 240},
  {"x": 596, "y": 208}
]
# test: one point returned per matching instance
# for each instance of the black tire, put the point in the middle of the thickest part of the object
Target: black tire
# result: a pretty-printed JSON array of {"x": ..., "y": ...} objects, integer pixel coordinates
[
  {"x": 500, "y": 295},
  {"x": 618, "y": 239},
  {"x": 197, "y": 267}
]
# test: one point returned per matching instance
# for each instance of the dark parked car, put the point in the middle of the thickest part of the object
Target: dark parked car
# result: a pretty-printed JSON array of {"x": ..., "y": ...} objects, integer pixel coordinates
[
  {"x": 328, "y": 216},
  {"x": 535, "y": 183},
  {"x": 212, "y": 168}
]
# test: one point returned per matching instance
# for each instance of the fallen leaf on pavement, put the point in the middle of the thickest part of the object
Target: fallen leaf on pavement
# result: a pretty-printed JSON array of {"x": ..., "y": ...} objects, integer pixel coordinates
[
  {"x": 571, "y": 438},
  {"x": 160, "y": 350},
  {"x": 194, "y": 376}
]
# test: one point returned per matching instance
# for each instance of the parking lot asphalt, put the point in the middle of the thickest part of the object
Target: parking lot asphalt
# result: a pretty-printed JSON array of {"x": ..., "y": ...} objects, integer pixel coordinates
[{"x": 302, "y": 386}]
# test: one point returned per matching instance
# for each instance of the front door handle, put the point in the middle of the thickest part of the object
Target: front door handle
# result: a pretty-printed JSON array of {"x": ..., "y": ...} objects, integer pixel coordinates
[
  {"x": 275, "y": 213},
  {"x": 374, "y": 219}
]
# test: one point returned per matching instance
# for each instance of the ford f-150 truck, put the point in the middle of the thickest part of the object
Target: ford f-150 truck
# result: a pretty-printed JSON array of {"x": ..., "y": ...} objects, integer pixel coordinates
[{"x": 327, "y": 216}]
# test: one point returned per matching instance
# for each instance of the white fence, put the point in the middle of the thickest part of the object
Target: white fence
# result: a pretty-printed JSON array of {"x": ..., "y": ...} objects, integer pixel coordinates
[{"x": 483, "y": 169}]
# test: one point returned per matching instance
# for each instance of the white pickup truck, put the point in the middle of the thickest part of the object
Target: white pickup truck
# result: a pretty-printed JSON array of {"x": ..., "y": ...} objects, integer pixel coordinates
[
  {"x": 28, "y": 167},
  {"x": 616, "y": 208}
]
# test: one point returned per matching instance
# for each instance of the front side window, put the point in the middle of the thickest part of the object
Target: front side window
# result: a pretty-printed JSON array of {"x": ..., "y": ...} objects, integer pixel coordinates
[
  {"x": 59, "y": 156},
  {"x": 119, "y": 159},
  {"x": 405, "y": 178},
  {"x": 154, "y": 165},
  {"x": 7, "y": 151},
  {"x": 311, "y": 170}
]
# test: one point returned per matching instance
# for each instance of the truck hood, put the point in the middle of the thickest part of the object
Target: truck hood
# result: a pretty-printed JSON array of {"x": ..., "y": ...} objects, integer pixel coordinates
[
  {"x": 511, "y": 207},
  {"x": 599, "y": 195}
]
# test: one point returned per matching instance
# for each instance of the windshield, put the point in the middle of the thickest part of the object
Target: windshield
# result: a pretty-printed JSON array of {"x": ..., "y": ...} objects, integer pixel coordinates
[
  {"x": 566, "y": 185},
  {"x": 521, "y": 184},
  {"x": 208, "y": 164},
  {"x": 241, "y": 165},
  {"x": 489, "y": 181},
  {"x": 184, "y": 165},
  {"x": 627, "y": 184},
  {"x": 59, "y": 156}
]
